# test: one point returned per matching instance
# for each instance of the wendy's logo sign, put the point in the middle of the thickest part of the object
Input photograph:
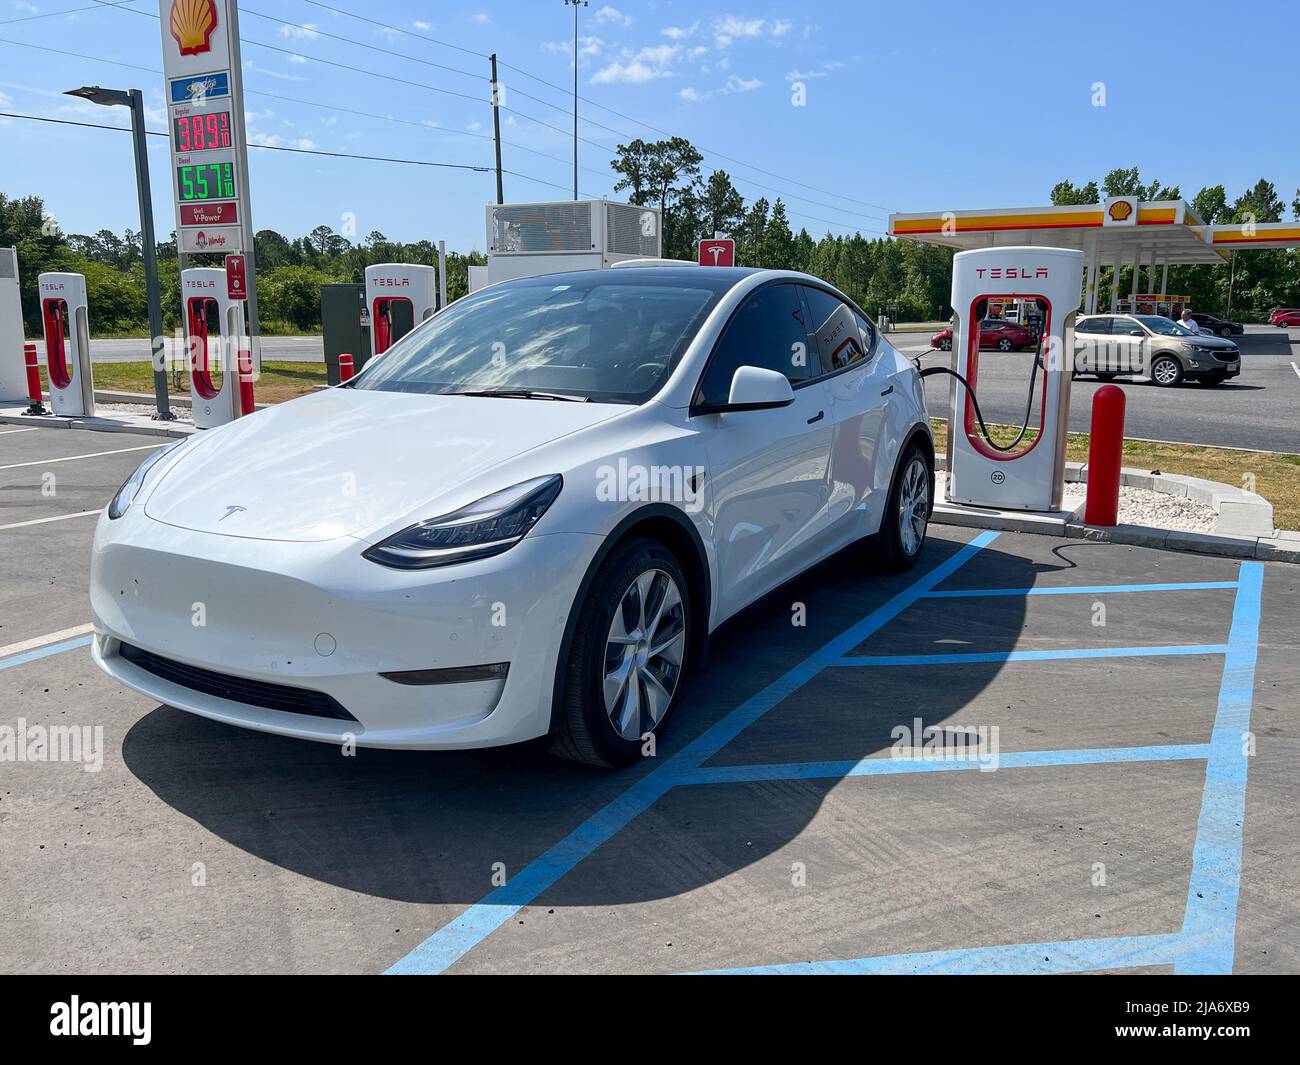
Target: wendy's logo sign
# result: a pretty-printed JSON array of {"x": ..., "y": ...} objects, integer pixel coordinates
[{"x": 192, "y": 24}]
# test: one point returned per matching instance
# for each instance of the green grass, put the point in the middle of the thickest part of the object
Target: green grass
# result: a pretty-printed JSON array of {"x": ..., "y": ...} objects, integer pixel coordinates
[{"x": 277, "y": 382}]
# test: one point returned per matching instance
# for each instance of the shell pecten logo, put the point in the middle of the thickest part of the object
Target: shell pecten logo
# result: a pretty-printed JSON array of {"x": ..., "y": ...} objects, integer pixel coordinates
[
  {"x": 1120, "y": 210},
  {"x": 192, "y": 23}
]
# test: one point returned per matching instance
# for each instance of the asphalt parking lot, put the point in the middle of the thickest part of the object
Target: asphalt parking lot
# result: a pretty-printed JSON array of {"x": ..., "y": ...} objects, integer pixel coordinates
[{"x": 1111, "y": 822}]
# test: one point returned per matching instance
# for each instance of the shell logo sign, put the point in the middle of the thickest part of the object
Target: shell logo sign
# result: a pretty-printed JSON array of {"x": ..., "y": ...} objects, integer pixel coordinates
[
  {"x": 192, "y": 24},
  {"x": 1120, "y": 210}
]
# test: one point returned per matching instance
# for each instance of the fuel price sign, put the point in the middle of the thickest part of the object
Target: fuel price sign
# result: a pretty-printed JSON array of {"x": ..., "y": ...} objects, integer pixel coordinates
[
  {"x": 200, "y": 130},
  {"x": 205, "y": 181}
]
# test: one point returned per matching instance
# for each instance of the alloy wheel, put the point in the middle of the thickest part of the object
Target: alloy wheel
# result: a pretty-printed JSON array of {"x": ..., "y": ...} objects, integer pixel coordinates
[
  {"x": 1165, "y": 371},
  {"x": 913, "y": 506},
  {"x": 643, "y": 653}
]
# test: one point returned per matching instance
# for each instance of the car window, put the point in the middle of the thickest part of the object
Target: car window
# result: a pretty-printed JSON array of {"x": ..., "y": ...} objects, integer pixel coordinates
[
  {"x": 767, "y": 331},
  {"x": 834, "y": 329},
  {"x": 1093, "y": 325}
]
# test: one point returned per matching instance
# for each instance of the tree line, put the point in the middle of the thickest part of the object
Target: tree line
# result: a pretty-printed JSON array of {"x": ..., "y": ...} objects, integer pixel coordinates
[{"x": 913, "y": 279}]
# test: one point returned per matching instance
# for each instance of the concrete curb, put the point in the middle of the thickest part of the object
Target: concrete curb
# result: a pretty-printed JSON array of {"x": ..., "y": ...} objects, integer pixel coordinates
[
  {"x": 131, "y": 423},
  {"x": 1277, "y": 545}
]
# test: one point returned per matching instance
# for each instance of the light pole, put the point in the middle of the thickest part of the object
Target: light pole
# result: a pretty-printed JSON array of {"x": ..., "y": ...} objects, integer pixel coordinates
[
  {"x": 133, "y": 99},
  {"x": 576, "y": 4}
]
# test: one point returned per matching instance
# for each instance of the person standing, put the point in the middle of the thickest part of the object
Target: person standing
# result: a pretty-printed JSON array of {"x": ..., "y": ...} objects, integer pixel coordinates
[{"x": 1188, "y": 322}]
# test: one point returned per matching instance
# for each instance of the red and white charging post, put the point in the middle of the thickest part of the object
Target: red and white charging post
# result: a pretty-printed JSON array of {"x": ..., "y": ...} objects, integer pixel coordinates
[{"x": 33, "y": 380}]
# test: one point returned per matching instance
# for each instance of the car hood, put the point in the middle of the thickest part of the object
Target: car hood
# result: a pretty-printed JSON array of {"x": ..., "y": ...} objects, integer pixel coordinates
[
  {"x": 1209, "y": 341},
  {"x": 344, "y": 461}
]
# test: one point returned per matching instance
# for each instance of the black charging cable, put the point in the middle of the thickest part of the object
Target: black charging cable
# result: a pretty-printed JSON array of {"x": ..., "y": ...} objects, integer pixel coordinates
[{"x": 979, "y": 416}]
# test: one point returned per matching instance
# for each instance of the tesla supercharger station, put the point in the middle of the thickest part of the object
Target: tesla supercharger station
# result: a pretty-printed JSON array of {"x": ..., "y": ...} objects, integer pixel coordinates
[
  {"x": 214, "y": 333},
  {"x": 65, "y": 318},
  {"x": 399, "y": 296},
  {"x": 13, "y": 370},
  {"x": 1029, "y": 473}
]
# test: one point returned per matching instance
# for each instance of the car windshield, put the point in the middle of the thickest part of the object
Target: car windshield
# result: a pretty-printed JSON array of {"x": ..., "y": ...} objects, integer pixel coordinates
[
  {"x": 1162, "y": 325},
  {"x": 609, "y": 339}
]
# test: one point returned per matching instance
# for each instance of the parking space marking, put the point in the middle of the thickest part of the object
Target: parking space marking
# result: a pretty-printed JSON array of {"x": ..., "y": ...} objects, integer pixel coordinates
[
  {"x": 1210, "y": 921},
  {"x": 45, "y": 652},
  {"x": 41, "y": 641},
  {"x": 460, "y": 935},
  {"x": 882, "y": 767},
  {"x": 1081, "y": 589},
  {"x": 964, "y": 659},
  {"x": 1206, "y": 941},
  {"x": 57, "y": 517},
  {"x": 1296, "y": 369},
  {"x": 10, "y": 432},
  {"x": 92, "y": 455}
]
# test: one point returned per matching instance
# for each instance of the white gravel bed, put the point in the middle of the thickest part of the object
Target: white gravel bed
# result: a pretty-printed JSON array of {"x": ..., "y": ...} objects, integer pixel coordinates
[{"x": 1137, "y": 506}]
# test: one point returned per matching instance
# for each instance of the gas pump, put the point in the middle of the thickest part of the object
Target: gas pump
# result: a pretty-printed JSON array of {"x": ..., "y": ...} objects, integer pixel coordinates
[
  {"x": 13, "y": 371},
  {"x": 1027, "y": 472},
  {"x": 399, "y": 297},
  {"x": 66, "y": 322},
  {"x": 214, "y": 334}
]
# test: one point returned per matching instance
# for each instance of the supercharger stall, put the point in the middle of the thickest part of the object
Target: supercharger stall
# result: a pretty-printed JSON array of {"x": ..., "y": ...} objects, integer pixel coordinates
[
  {"x": 399, "y": 296},
  {"x": 65, "y": 320},
  {"x": 214, "y": 335},
  {"x": 1027, "y": 473},
  {"x": 13, "y": 371}
]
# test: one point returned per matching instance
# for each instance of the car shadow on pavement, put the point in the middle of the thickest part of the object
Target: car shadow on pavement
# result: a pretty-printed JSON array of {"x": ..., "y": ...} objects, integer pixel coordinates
[{"x": 428, "y": 826}]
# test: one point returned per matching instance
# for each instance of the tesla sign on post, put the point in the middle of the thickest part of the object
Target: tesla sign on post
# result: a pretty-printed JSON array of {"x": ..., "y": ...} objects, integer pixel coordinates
[{"x": 718, "y": 252}]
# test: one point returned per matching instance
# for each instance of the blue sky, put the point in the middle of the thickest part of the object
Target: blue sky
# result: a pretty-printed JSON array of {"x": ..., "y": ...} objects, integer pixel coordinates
[{"x": 909, "y": 107}]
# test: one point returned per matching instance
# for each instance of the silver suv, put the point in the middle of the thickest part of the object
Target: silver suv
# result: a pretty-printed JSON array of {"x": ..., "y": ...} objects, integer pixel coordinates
[{"x": 1150, "y": 345}]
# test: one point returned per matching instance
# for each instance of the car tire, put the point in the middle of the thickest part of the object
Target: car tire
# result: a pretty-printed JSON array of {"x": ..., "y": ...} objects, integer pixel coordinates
[
  {"x": 1225, "y": 332},
  {"x": 906, "y": 520},
  {"x": 1166, "y": 371},
  {"x": 1005, "y": 345},
  {"x": 634, "y": 577},
  {"x": 945, "y": 344}
]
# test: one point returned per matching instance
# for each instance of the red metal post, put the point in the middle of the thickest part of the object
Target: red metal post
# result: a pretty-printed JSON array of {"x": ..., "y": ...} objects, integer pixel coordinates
[
  {"x": 345, "y": 367},
  {"x": 1105, "y": 453},
  {"x": 33, "y": 380},
  {"x": 246, "y": 402}
]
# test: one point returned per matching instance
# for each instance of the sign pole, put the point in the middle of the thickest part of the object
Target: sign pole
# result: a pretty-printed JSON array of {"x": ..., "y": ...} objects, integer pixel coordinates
[{"x": 149, "y": 250}]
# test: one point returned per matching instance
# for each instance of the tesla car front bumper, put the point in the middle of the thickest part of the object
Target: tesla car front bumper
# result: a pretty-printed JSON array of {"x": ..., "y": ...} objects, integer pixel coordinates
[{"x": 276, "y": 635}]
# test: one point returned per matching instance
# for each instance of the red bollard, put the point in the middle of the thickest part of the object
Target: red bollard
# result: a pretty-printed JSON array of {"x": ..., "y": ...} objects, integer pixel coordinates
[
  {"x": 246, "y": 403},
  {"x": 345, "y": 367},
  {"x": 33, "y": 380},
  {"x": 1105, "y": 453}
]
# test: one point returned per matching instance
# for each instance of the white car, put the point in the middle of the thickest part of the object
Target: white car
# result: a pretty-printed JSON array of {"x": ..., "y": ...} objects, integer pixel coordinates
[{"x": 523, "y": 520}]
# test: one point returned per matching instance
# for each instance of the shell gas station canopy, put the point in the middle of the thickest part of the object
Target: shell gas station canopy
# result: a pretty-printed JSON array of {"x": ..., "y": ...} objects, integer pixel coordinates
[{"x": 1121, "y": 231}]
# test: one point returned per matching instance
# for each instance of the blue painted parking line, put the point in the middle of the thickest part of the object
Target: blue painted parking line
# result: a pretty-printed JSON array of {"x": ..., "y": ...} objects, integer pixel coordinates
[
  {"x": 1038, "y": 959},
  {"x": 973, "y": 658},
  {"x": 883, "y": 767},
  {"x": 45, "y": 652},
  {"x": 1081, "y": 589},
  {"x": 460, "y": 935}
]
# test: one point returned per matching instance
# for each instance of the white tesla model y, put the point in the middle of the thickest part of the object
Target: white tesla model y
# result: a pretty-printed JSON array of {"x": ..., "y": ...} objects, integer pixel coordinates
[{"x": 523, "y": 520}]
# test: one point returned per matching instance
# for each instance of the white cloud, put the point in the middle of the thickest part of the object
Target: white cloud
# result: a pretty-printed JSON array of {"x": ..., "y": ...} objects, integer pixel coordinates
[
  {"x": 297, "y": 59},
  {"x": 270, "y": 73},
  {"x": 612, "y": 16},
  {"x": 421, "y": 25},
  {"x": 780, "y": 27},
  {"x": 482, "y": 18},
  {"x": 680, "y": 33},
  {"x": 691, "y": 95},
  {"x": 735, "y": 84},
  {"x": 729, "y": 28},
  {"x": 636, "y": 68},
  {"x": 587, "y": 47},
  {"x": 474, "y": 127},
  {"x": 696, "y": 52},
  {"x": 299, "y": 33}
]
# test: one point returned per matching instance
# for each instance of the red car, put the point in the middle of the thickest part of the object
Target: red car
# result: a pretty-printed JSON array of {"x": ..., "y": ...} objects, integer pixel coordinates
[
  {"x": 994, "y": 333},
  {"x": 1285, "y": 319}
]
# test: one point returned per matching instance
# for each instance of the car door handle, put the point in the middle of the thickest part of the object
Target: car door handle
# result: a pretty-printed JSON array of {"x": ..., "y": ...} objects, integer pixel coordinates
[
  {"x": 817, "y": 417},
  {"x": 887, "y": 391}
]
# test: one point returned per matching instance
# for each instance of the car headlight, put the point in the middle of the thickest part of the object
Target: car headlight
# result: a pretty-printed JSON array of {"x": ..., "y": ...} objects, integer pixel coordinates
[
  {"x": 485, "y": 528},
  {"x": 132, "y": 485}
]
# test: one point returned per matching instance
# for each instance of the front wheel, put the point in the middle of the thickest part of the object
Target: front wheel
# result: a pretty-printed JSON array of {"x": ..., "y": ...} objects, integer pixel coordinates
[
  {"x": 1225, "y": 333},
  {"x": 1166, "y": 371},
  {"x": 628, "y": 655},
  {"x": 907, "y": 514},
  {"x": 945, "y": 344},
  {"x": 1005, "y": 345}
]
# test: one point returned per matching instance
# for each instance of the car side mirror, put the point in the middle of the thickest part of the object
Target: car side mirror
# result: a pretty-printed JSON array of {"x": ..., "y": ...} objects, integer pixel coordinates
[
  {"x": 752, "y": 388},
  {"x": 1136, "y": 333}
]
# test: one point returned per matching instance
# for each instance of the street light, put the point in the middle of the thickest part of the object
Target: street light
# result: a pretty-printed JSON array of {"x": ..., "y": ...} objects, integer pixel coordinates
[
  {"x": 576, "y": 4},
  {"x": 133, "y": 99}
]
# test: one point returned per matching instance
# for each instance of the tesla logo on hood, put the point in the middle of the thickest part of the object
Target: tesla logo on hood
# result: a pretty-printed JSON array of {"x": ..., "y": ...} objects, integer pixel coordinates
[{"x": 234, "y": 508}]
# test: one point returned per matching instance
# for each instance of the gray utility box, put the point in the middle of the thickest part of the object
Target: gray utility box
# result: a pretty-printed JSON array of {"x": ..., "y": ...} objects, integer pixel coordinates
[{"x": 345, "y": 324}]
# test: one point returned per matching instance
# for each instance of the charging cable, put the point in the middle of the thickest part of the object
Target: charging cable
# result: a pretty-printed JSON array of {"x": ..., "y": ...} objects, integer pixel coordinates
[{"x": 979, "y": 416}]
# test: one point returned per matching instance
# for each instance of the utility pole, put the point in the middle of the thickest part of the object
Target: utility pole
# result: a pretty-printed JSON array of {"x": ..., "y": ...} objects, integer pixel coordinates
[
  {"x": 576, "y": 4},
  {"x": 496, "y": 123}
]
